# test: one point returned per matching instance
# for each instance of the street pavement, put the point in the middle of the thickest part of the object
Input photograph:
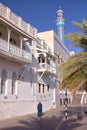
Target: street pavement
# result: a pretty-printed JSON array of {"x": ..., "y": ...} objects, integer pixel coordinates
[{"x": 53, "y": 119}]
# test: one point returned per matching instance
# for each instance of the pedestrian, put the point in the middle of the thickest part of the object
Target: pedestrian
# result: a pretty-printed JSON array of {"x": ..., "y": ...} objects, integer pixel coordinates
[{"x": 39, "y": 109}]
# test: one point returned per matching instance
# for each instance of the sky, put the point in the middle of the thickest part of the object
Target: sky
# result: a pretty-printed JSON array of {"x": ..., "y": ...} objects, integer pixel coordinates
[{"x": 41, "y": 14}]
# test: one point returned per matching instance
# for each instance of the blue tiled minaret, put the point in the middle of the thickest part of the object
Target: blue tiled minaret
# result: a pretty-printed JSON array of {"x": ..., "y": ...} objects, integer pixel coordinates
[{"x": 60, "y": 22}]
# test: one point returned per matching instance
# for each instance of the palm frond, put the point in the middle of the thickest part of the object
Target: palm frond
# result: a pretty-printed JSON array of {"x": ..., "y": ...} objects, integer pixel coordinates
[
  {"x": 78, "y": 25},
  {"x": 74, "y": 71},
  {"x": 78, "y": 40},
  {"x": 84, "y": 24}
]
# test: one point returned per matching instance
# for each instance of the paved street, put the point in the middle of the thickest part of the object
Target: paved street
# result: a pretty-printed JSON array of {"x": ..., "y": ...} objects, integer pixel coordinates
[{"x": 51, "y": 120}]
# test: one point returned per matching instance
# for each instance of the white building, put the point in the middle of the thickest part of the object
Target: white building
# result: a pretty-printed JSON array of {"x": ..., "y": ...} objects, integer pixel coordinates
[
  {"x": 62, "y": 54},
  {"x": 28, "y": 66}
]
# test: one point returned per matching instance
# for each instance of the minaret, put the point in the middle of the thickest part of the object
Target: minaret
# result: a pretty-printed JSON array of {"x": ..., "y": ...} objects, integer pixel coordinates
[{"x": 60, "y": 22}]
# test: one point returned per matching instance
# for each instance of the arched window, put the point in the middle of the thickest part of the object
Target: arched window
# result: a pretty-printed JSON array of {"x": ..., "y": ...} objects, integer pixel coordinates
[
  {"x": 39, "y": 85},
  {"x": 3, "y": 81},
  {"x": 41, "y": 58},
  {"x": 13, "y": 83},
  {"x": 43, "y": 89}
]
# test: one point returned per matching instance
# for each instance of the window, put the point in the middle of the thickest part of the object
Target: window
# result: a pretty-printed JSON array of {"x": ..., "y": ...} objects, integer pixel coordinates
[
  {"x": 43, "y": 89},
  {"x": 2, "y": 86},
  {"x": 3, "y": 81},
  {"x": 39, "y": 87},
  {"x": 39, "y": 59}
]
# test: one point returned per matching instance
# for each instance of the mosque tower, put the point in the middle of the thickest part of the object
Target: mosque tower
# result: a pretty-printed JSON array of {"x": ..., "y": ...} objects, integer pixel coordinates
[{"x": 60, "y": 22}]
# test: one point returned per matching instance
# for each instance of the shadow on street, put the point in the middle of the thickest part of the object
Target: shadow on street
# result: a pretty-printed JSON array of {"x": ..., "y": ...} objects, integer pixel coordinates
[
  {"x": 52, "y": 122},
  {"x": 33, "y": 123}
]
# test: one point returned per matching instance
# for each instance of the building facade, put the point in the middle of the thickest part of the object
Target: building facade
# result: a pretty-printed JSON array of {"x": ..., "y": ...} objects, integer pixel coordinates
[
  {"x": 62, "y": 54},
  {"x": 28, "y": 67}
]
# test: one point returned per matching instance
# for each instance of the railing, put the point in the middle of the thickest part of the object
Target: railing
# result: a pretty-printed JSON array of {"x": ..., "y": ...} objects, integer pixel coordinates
[
  {"x": 14, "y": 50},
  {"x": 42, "y": 45},
  {"x": 7, "y": 13},
  {"x": 50, "y": 68}
]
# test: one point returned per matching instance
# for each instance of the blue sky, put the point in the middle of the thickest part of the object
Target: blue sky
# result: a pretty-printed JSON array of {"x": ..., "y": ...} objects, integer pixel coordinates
[{"x": 42, "y": 13}]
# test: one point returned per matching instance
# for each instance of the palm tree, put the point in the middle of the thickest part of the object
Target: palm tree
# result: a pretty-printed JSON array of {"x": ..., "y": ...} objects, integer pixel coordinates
[{"x": 74, "y": 71}]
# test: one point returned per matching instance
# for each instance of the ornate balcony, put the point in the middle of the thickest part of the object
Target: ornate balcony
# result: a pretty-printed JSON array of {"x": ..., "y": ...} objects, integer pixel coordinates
[
  {"x": 13, "y": 53},
  {"x": 51, "y": 69},
  {"x": 43, "y": 47},
  {"x": 46, "y": 58}
]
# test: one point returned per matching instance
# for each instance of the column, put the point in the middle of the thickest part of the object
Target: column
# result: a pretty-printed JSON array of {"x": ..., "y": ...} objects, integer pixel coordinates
[
  {"x": 21, "y": 42},
  {"x": 9, "y": 33}
]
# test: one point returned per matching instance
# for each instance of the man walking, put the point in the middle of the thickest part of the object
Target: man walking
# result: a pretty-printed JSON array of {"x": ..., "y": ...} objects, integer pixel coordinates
[{"x": 39, "y": 109}]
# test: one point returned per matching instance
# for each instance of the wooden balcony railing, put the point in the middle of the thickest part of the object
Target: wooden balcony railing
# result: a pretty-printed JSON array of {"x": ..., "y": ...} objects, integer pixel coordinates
[
  {"x": 47, "y": 67},
  {"x": 14, "y": 51}
]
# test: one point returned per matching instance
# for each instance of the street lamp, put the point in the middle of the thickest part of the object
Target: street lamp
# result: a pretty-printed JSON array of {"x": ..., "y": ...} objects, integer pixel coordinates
[{"x": 66, "y": 104}]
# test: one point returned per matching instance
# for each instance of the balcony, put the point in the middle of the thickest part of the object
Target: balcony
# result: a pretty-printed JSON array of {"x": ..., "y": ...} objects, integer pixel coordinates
[
  {"x": 43, "y": 47},
  {"x": 50, "y": 69},
  {"x": 13, "y": 53}
]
